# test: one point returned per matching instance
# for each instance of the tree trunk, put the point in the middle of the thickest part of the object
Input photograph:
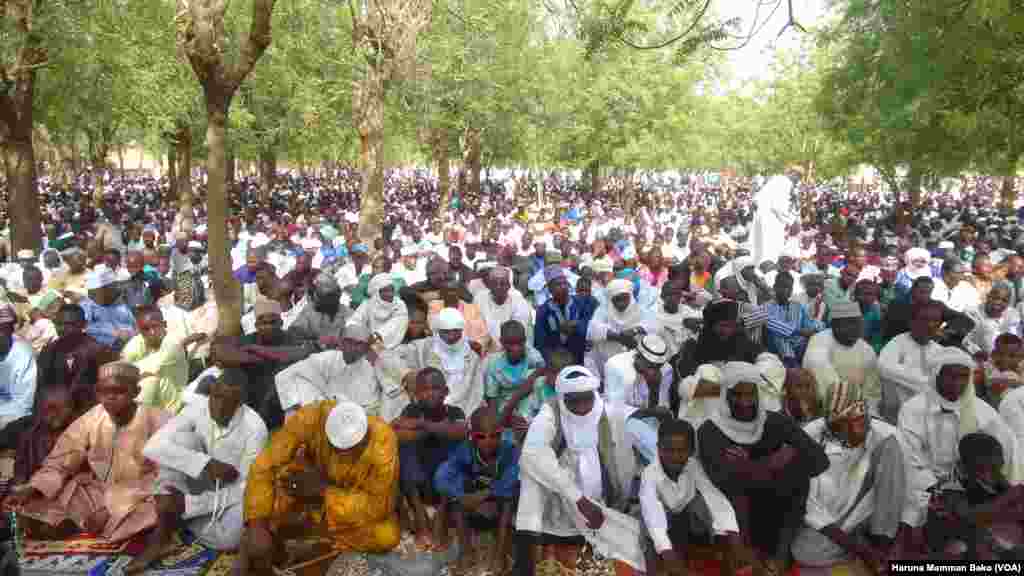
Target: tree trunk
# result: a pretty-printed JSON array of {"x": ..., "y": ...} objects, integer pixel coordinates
[
  {"x": 1008, "y": 196},
  {"x": 23, "y": 203},
  {"x": 368, "y": 107},
  {"x": 120, "y": 159},
  {"x": 183, "y": 158},
  {"x": 172, "y": 173},
  {"x": 227, "y": 290},
  {"x": 439, "y": 148},
  {"x": 229, "y": 167},
  {"x": 268, "y": 173},
  {"x": 471, "y": 161},
  {"x": 594, "y": 169}
]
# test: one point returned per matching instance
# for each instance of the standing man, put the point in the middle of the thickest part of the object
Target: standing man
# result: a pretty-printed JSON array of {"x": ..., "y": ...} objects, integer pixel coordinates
[{"x": 775, "y": 218}]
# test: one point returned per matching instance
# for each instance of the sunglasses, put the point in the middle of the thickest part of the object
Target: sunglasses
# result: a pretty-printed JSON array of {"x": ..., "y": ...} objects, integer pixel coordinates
[{"x": 478, "y": 436}]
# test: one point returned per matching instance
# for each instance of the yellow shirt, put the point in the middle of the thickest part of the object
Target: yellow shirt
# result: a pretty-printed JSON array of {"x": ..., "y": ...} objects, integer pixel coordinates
[
  {"x": 168, "y": 364},
  {"x": 358, "y": 505}
]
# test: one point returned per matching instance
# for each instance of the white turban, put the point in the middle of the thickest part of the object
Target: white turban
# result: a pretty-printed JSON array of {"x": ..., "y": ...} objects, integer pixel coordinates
[
  {"x": 576, "y": 379},
  {"x": 346, "y": 425},
  {"x": 379, "y": 281},
  {"x": 99, "y": 277},
  {"x": 963, "y": 406},
  {"x": 773, "y": 379},
  {"x": 450, "y": 319},
  {"x": 739, "y": 431}
]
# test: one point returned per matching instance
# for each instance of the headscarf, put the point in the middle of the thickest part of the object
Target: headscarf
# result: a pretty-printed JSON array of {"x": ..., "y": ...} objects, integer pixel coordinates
[
  {"x": 964, "y": 405},
  {"x": 381, "y": 311},
  {"x": 738, "y": 431},
  {"x": 918, "y": 254},
  {"x": 453, "y": 357},
  {"x": 632, "y": 315},
  {"x": 581, "y": 432}
]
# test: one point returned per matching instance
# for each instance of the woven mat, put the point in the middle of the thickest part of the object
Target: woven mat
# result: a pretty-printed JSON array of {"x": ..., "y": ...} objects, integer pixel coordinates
[
  {"x": 82, "y": 545},
  {"x": 190, "y": 558}
]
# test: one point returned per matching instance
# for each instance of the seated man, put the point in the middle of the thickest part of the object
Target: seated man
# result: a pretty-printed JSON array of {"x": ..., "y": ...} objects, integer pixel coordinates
[
  {"x": 204, "y": 454},
  {"x": 853, "y": 509},
  {"x": 17, "y": 375},
  {"x": 763, "y": 462},
  {"x": 842, "y": 354},
  {"x": 96, "y": 478},
  {"x": 331, "y": 467},
  {"x": 639, "y": 381},
  {"x": 160, "y": 358}
]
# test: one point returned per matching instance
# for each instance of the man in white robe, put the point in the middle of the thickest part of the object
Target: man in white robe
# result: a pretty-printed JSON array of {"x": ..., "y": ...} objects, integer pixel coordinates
[
  {"x": 774, "y": 216},
  {"x": 383, "y": 314},
  {"x": 931, "y": 425},
  {"x": 677, "y": 322},
  {"x": 861, "y": 493},
  {"x": 345, "y": 374},
  {"x": 904, "y": 363},
  {"x": 204, "y": 454},
  {"x": 500, "y": 303},
  {"x": 617, "y": 326},
  {"x": 573, "y": 473},
  {"x": 841, "y": 354},
  {"x": 638, "y": 383}
]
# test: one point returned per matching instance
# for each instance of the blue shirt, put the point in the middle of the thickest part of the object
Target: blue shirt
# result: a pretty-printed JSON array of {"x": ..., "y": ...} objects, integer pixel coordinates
[
  {"x": 245, "y": 276},
  {"x": 784, "y": 326},
  {"x": 101, "y": 321},
  {"x": 464, "y": 472},
  {"x": 547, "y": 337}
]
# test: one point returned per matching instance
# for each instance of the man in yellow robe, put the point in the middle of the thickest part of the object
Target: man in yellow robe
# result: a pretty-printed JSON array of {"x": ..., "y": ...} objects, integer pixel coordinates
[{"x": 330, "y": 471}]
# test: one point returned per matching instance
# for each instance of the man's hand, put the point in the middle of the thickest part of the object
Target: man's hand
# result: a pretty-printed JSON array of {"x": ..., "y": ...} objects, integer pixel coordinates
[
  {"x": 518, "y": 423},
  {"x": 329, "y": 342},
  {"x": 217, "y": 470},
  {"x": 781, "y": 458},
  {"x": 20, "y": 495},
  {"x": 470, "y": 502},
  {"x": 409, "y": 383},
  {"x": 476, "y": 347},
  {"x": 736, "y": 454},
  {"x": 591, "y": 512},
  {"x": 196, "y": 338}
]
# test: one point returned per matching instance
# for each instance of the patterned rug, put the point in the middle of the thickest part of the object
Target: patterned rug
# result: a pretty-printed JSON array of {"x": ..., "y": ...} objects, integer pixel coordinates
[
  {"x": 82, "y": 545},
  {"x": 190, "y": 558}
]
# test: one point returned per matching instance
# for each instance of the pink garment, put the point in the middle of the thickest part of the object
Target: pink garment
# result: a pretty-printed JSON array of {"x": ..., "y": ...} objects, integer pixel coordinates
[
  {"x": 95, "y": 465},
  {"x": 476, "y": 327}
]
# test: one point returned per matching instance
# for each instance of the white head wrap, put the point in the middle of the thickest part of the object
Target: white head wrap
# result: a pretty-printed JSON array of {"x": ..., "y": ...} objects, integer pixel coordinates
[
  {"x": 918, "y": 254},
  {"x": 99, "y": 277},
  {"x": 619, "y": 286},
  {"x": 581, "y": 431},
  {"x": 740, "y": 432},
  {"x": 963, "y": 406},
  {"x": 450, "y": 319},
  {"x": 346, "y": 425},
  {"x": 773, "y": 378}
]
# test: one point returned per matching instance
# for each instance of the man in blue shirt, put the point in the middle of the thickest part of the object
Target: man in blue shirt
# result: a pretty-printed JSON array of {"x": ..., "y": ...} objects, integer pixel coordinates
[
  {"x": 254, "y": 259},
  {"x": 562, "y": 320},
  {"x": 108, "y": 321}
]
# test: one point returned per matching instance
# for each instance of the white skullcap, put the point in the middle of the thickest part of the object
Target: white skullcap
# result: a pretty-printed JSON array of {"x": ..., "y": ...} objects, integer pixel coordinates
[
  {"x": 26, "y": 254},
  {"x": 576, "y": 379},
  {"x": 603, "y": 265},
  {"x": 357, "y": 332},
  {"x": 99, "y": 277},
  {"x": 485, "y": 265},
  {"x": 259, "y": 240},
  {"x": 842, "y": 310},
  {"x": 709, "y": 372},
  {"x": 587, "y": 260},
  {"x": 946, "y": 245},
  {"x": 311, "y": 244},
  {"x": 653, "y": 348},
  {"x": 949, "y": 356},
  {"x": 619, "y": 286},
  {"x": 450, "y": 319},
  {"x": 791, "y": 251},
  {"x": 742, "y": 262},
  {"x": 379, "y": 281},
  {"x": 193, "y": 245},
  {"x": 410, "y": 250},
  {"x": 346, "y": 425},
  {"x": 500, "y": 272},
  {"x": 735, "y": 372}
]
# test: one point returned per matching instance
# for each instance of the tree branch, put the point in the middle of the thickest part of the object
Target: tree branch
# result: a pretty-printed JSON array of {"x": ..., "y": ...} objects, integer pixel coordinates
[
  {"x": 693, "y": 25},
  {"x": 255, "y": 43}
]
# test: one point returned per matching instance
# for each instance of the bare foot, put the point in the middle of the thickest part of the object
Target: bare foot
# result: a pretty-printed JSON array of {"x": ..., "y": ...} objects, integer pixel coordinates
[
  {"x": 160, "y": 546},
  {"x": 424, "y": 543}
]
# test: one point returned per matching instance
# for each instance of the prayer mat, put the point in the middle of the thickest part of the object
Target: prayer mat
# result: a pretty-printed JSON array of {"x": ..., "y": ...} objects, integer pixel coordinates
[
  {"x": 59, "y": 564},
  {"x": 189, "y": 558},
  {"x": 83, "y": 544}
]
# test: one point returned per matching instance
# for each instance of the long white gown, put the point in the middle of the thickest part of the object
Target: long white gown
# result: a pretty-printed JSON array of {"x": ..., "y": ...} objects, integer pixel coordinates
[{"x": 774, "y": 214}]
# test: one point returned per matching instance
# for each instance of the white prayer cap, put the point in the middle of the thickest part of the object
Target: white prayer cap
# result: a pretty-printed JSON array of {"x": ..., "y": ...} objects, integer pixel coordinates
[
  {"x": 99, "y": 277},
  {"x": 379, "y": 281},
  {"x": 346, "y": 425},
  {"x": 352, "y": 218},
  {"x": 709, "y": 372},
  {"x": 193, "y": 245},
  {"x": 26, "y": 254},
  {"x": 500, "y": 272},
  {"x": 311, "y": 244},
  {"x": 576, "y": 379},
  {"x": 946, "y": 245},
  {"x": 742, "y": 262},
  {"x": 619, "y": 286},
  {"x": 735, "y": 372},
  {"x": 259, "y": 240},
  {"x": 653, "y": 348},
  {"x": 629, "y": 252},
  {"x": 842, "y": 310},
  {"x": 410, "y": 250},
  {"x": 791, "y": 251},
  {"x": 450, "y": 319},
  {"x": 587, "y": 260}
]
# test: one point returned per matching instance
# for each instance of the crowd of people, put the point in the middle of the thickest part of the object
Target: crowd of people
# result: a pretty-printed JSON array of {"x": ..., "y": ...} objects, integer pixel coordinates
[{"x": 716, "y": 369}]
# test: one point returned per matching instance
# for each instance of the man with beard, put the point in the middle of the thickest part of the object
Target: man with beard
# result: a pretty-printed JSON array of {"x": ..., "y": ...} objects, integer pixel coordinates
[
  {"x": 336, "y": 374},
  {"x": 70, "y": 282},
  {"x": 840, "y": 354},
  {"x": 853, "y": 508},
  {"x": 110, "y": 322},
  {"x": 499, "y": 303},
  {"x": 903, "y": 364},
  {"x": 429, "y": 290},
  {"x": 73, "y": 359},
  {"x": 763, "y": 462},
  {"x": 326, "y": 317}
]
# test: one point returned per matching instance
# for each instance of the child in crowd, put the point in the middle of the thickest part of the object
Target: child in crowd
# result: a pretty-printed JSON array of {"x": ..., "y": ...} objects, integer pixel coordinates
[
  {"x": 986, "y": 517},
  {"x": 533, "y": 393},
  {"x": 428, "y": 429},
  {"x": 1001, "y": 372},
  {"x": 510, "y": 369},
  {"x": 481, "y": 480},
  {"x": 56, "y": 410},
  {"x": 678, "y": 500}
]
